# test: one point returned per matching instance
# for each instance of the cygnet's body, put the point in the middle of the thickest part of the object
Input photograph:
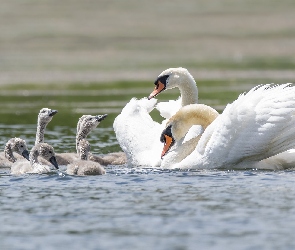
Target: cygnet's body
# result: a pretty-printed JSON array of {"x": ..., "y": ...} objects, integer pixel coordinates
[
  {"x": 83, "y": 166},
  {"x": 43, "y": 150},
  {"x": 14, "y": 145},
  {"x": 85, "y": 125}
]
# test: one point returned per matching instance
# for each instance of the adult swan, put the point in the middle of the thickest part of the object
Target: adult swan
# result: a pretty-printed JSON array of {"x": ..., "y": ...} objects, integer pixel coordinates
[{"x": 257, "y": 127}]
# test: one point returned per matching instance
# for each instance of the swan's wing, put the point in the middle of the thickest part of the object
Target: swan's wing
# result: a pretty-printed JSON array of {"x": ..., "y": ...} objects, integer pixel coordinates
[
  {"x": 259, "y": 124},
  {"x": 137, "y": 133},
  {"x": 168, "y": 109}
]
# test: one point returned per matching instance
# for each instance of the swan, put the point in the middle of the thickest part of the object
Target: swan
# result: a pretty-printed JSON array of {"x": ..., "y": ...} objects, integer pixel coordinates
[
  {"x": 257, "y": 126},
  {"x": 43, "y": 150},
  {"x": 83, "y": 166},
  {"x": 85, "y": 125},
  {"x": 44, "y": 117},
  {"x": 175, "y": 78},
  {"x": 14, "y": 145},
  {"x": 138, "y": 134}
]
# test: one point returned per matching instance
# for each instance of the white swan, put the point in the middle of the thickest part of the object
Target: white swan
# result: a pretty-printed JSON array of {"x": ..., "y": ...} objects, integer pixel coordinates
[
  {"x": 137, "y": 133},
  {"x": 83, "y": 166},
  {"x": 14, "y": 145},
  {"x": 255, "y": 127},
  {"x": 43, "y": 150},
  {"x": 175, "y": 78}
]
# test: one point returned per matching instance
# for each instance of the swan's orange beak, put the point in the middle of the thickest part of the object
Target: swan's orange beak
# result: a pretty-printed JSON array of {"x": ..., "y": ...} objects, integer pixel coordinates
[
  {"x": 159, "y": 87},
  {"x": 167, "y": 145}
]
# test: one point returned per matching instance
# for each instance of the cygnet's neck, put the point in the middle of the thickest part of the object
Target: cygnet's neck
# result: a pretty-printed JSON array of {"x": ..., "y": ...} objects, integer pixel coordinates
[
  {"x": 34, "y": 156},
  {"x": 81, "y": 134},
  {"x": 9, "y": 153},
  {"x": 41, "y": 126}
]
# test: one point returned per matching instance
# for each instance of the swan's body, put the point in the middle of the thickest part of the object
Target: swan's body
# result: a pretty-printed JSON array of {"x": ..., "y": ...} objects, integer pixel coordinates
[
  {"x": 43, "y": 150},
  {"x": 83, "y": 166},
  {"x": 175, "y": 78},
  {"x": 255, "y": 127},
  {"x": 137, "y": 133},
  {"x": 14, "y": 145}
]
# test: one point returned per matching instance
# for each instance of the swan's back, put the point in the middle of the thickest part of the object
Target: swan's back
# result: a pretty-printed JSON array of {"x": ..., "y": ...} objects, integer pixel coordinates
[{"x": 258, "y": 125}]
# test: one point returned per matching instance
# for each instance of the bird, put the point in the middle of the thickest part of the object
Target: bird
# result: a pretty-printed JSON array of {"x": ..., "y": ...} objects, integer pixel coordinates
[
  {"x": 33, "y": 166},
  {"x": 14, "y": 145},
  {"x": 175, "y": 78},
  {"x": 137, "y": 133},
  {"x": 85, "y": 125},
  {"x": 44, "y": 117},
  {"x": 256, "y": 131},
  {"x": 83, "y": 166}
]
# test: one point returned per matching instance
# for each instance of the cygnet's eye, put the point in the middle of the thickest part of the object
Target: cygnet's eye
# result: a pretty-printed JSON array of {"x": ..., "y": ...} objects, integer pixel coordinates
[
  {"x": 21, "y": 146},
  {"x": 50, "y": 152}
]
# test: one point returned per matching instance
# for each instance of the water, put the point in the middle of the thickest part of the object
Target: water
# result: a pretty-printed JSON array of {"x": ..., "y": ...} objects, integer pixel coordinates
[
  {"x": 131, "y": 208},
  {"x": 149, "y": 209}
]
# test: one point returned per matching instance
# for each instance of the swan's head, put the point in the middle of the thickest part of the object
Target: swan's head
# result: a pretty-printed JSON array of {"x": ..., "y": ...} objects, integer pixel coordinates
[
  {"x": 180, "y": 123},
  {"x": 168, "y": 140},
  {"x": 46, "y": 151},
  {"x": 169, "y": 79},
  {"x": 19, "y": 146},
  {"x": 45, "y": 115}
]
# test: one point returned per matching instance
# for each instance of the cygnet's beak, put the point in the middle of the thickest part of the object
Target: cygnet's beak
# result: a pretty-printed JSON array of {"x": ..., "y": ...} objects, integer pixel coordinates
[
  {"x": 54, "y": 162},
  {"x": 99, "y": 118},
  {"x": 53, "y": 112},
  {"x": 25, "y": 154},
  {"x": 159, "y": 88}
]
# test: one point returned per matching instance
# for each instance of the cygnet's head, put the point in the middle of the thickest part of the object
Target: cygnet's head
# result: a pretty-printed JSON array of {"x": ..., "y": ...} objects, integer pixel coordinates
[
  {"x": 19, "y": 146},
  {"x": 90, "y": 122},
  {"x": 45, "y": 115},
  {"x": 169, "y": 79},
  {"x": 46, "y": 151}
]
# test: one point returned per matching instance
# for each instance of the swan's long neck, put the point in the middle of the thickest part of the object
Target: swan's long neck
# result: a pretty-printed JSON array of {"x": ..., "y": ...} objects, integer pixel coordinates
[
  {"x": 41, "y": 126},
  {"x": 197, "y": 114},
  {"x": 9, "y": 153},
  {"x": 189, "y": 91}
]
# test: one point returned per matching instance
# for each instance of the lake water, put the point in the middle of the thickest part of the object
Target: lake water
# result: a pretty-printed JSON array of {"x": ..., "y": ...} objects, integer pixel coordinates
[{"x": 129, "y": 207}]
